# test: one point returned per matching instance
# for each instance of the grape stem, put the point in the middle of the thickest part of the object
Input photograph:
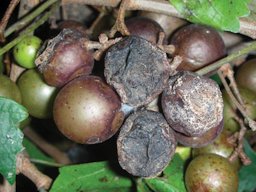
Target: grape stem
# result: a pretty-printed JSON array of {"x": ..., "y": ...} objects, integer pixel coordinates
[
  {"x": 239, "y": 137},
  {"x": 15, "y": 41},
  {"x": 226, "y": 71},
  {"x": 6, "y": 17},
  {"x": 27, "y": 19},
  {"x": 216, "y": 65},
  {"x": 51, "y": 150},
  {"x": 25, "y": 167},
  {"x": 240, "y": 107},
  {"x": 6, "y": 186},
  {"x": 247, "y": 27}
]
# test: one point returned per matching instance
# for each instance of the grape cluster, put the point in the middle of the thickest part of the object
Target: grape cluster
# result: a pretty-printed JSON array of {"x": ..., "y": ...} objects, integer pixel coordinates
[{"x": 89, "y": 109}]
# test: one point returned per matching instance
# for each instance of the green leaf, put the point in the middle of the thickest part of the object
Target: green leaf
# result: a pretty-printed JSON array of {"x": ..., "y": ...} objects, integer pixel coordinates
[
  {"x": 220, "y": 14},
  {"x": 11, "y": 114},
  {"x": 34, "y": 152},
  {"x": 172, "y": 179},
  {"x": 142, "y": 186},
  {"x": 247, "y": 176},
  {"x": 161, "y": 185},
  {"x": 91, "y": 177}
]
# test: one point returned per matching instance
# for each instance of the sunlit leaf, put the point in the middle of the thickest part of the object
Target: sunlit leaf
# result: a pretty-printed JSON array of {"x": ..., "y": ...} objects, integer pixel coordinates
[
  {"x": 11, "y": 114},
  {"x": 91, "y": 177},
  {"x": 172, "y": 179},
  {"x": 222, "y": 14}
]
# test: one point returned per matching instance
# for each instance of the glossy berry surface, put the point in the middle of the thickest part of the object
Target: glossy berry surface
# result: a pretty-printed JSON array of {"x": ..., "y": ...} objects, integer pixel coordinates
[
  {"x": 145, "y": 28},
  {"x": 87, "y": 110},
  {"x": 198, "y": 46},
  {"x": 25, "y": 51},
  {"x": 246, "y": 75},
  {"x": 211, "y": 173},
  {"x": 37, "y": 96},
  {"x": 221, "y": 146}
]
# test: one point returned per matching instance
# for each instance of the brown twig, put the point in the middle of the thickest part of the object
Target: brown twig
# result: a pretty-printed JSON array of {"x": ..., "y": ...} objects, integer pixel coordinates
[
  {"x": 51, "y": 150},
  {"x": 229, "y": 73},
  {"x": 247, "y": 27},
  {"x": 169, "y": 49},
  {"x": 6, "y": 18},
  {"x": 101, "y": 46},
  {"x": 119, "y": 25},
  {"x": 6, "y": 186},
  {"x": 25, "y": 167},
  {"x": 251, "y": 123},
  {"x": 96, "y": 22},
  {"x": 175, "y": 63},
  {"x": 238, "y": 138},
  {"x": 16, "y": 71}
]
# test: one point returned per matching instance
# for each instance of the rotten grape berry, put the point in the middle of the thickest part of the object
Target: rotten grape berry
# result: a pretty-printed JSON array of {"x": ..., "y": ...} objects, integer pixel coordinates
[{"x": 145, "y": 144}]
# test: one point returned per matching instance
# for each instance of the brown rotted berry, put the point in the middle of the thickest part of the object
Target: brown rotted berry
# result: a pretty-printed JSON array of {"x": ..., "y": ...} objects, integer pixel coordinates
[
  {"x": 199, "y": 141},
  {"x": 192, "y": 104},
  {"x": 138, "y": 70},
  {"x": 145, "y": 144},
  {"x": 65, "y": 58}
]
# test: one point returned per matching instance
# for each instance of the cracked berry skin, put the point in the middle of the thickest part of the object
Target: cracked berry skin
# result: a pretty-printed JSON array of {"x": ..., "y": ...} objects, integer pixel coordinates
[
  {"x": 65, "y": 58},
  {"x": 211, "y": 173},
  {"x": 137, "y": 69},
  {"x": 87, "y": 110},
  {"x": 198, "y": 46},
  {"x": 145, "y": 144},
  {"x": 192, "y": 104}
]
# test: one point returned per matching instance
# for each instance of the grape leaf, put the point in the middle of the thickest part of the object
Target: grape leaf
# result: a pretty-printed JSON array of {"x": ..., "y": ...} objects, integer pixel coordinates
[
  {"x": 223, "y": 15},
  {"x": 247, "y": 176},
  {"x": 11, "y": 114},
  {"x": 141, "y": 186},
  {"x": 172, "y": 179},
  {"x": 35, "y": 153},
  {"x": 91, "y": 177}
]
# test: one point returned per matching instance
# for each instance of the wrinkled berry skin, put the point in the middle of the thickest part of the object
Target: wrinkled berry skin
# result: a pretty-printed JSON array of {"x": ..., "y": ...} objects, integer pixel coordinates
[
  {"x": 65, "y": 58},
  {"x": 137, "y": 69},
  {"x": 202, "y": 140},
  {"x": 198, "y": 46},
  {"x": 192, "y": 104},
  {"x": 145, "y": 144},
  {"x": 87, "y": 110}
]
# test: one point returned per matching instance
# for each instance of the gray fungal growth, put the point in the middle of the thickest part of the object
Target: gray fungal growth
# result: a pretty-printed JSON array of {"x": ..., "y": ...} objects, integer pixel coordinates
[{"x": 192, "y": 104}]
